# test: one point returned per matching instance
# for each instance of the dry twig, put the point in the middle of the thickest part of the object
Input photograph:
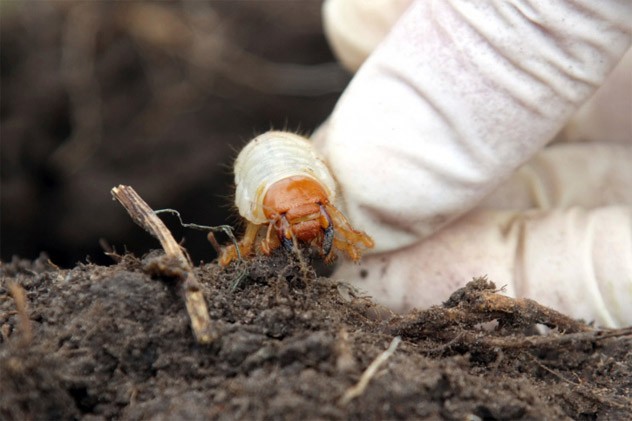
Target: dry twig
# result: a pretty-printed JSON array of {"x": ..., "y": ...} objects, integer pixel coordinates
[
  {"x": 478, "y": 302},
  {"x": 175, "y": 264},
  {"x": 529, "y": 311}
]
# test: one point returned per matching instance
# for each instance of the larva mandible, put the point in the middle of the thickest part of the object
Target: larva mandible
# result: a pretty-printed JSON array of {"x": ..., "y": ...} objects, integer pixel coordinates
[{"x": 283, "y": 184}]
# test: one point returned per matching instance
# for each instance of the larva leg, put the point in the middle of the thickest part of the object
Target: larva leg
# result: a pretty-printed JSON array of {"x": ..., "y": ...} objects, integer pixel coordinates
[
  {"x": 347, "y": 236},
  {"x": 341, "y": 224},
  {"x": 229, "y": 253},
  {"x": 284, "y": 231},
  {"x": 328, "y": 235},
  {"x": 347, "y": 247},
  {"x": 270, "y": 242}
]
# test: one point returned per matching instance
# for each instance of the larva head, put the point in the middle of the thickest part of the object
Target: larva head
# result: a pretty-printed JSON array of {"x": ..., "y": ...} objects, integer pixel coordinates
[
  {"x": 295, "y": 204},
  {"x": 270, "y": 158}
]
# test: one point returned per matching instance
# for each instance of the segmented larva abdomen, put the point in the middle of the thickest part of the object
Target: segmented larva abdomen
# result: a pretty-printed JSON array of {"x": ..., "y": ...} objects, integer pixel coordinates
[{"x": 271, "y": 157}]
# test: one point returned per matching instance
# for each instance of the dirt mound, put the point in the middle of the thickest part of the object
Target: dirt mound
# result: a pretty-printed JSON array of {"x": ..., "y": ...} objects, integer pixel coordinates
[{"x": 104, "y": 342}]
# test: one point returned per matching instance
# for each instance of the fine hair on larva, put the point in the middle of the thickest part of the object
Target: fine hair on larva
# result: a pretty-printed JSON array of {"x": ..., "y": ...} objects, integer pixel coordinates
[{"x": 268, "y": 158}]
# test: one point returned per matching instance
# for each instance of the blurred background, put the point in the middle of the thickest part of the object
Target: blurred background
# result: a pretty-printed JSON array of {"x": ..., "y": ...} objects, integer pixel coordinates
[{"x": 157, "y": 95}]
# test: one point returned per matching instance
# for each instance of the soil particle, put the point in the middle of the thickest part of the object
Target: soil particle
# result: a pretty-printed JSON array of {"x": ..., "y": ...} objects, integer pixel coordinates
[{"x": 114, "y": 342}]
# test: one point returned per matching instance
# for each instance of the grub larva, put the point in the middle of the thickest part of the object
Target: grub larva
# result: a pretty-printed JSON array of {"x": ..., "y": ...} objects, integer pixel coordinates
[{"x": 283, "y": 184}]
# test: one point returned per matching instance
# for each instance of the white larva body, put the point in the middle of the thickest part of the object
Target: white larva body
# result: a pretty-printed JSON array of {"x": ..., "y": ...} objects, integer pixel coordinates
[{"x": 271, "y": 157}]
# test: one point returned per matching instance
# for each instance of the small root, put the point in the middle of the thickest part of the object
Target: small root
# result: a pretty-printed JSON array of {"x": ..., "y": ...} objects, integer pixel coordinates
[
  {"x": 26, "y": 329},
  {"x": 344, "y": 356},
  {"x": 359, "y": 388}
]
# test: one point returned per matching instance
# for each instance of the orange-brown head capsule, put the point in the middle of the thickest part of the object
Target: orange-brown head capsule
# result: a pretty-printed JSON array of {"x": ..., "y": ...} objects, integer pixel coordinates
[{"x": 298, "y": 200}]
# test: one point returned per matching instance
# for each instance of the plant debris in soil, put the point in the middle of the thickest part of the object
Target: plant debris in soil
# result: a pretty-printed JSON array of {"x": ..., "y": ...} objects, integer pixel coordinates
[{"x": 97, "y": 342}]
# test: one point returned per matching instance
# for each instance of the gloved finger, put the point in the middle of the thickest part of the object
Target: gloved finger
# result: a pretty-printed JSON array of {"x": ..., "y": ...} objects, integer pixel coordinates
[
  {"x": 564, "y": 175},
  {"x": 457, "y": 97},
  {"x": 607, "y": 116},
  {"x": 577, "y": 261},
  {"x": 355, "y": 27}
]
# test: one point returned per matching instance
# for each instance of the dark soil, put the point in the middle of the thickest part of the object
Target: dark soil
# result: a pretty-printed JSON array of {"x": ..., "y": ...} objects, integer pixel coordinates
[{"x": 113, "y": 342}]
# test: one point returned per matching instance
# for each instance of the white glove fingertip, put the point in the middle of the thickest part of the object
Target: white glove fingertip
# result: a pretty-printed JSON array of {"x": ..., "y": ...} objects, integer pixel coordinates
[{"x": 355, "y": 27}]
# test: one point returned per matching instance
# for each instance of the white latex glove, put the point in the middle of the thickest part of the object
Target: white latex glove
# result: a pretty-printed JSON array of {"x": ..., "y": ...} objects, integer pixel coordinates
[{"x": 429, "y": 142}]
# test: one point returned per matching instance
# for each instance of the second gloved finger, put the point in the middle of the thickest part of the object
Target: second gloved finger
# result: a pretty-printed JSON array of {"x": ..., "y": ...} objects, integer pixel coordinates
[
  {"x": 576, "y": 260},
  {"x": 563, "y": 175}
]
